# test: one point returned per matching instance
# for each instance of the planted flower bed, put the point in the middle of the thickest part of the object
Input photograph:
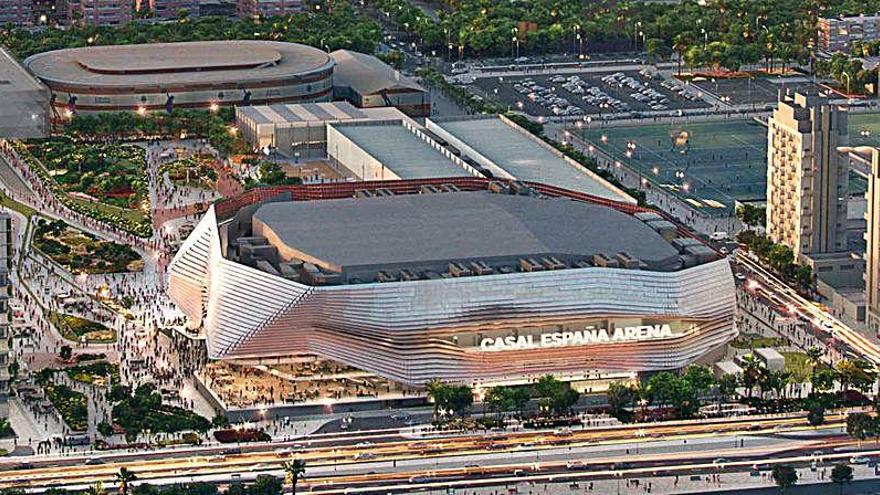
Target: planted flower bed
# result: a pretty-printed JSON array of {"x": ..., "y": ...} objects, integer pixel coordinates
[
  {"x": 81, "y": 252},
  {"x": 243, "y": 435},
  {"x": 76, "y": 328},
  {"x": 193, "y": 171},
  {"x": 72, "y": 405}
]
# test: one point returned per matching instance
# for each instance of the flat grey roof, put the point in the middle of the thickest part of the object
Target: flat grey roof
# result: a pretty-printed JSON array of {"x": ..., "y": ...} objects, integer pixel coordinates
[
  {"x": 303, "y": 113},
  {"x": 522, "y": 157},
  {"x": 401, "y": 151},
  {"x": 461, "y": 226},
  {"x": 178, "y": 63}
]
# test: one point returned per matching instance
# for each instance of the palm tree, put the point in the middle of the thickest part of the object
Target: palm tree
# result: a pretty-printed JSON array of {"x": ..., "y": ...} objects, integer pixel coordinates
[
  {"x": 436, "y": 390},
  {"x": 814, "y": 357},
  {"x": 124, "y": 477},
  {"x": 753, "y": 372},
  {"x": 295, "y": 469},
  {"x": 96, "y": 489}
]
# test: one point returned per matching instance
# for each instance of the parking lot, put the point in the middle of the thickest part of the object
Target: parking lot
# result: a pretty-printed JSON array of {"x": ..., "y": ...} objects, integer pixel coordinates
[
  {"x": 757, "y": 91},
  {"x": 589, "y": 93}
]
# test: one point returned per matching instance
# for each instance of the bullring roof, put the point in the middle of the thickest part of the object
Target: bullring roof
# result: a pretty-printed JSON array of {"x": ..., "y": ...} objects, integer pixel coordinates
[{"x": 177, "y": 63}]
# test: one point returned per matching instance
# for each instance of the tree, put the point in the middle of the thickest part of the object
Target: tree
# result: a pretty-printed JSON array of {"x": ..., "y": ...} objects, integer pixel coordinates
[
  {"x": 860, "y": 426},
  {"x": 294, "y": 469},
  {"x": 266, "y": 485},
  {"x": 520, "y": 397},
  {"x": 437, "y": 392},
  {"x": 65, "y": 352},
  {"x": 96, "y": 489},
  {"x": 125, "y": 477},
  {"x": 727, "y": 385},
  {"x": 785, "y": 476},
  {"x": 554, "y": 396},
  {"x": 498, "y": 399},
  {"x": 753, "y": 373},
  {"x": 620, "y": 396},
  {"x": 841, "y": 474},
  {"x": 816, "y": 415}
]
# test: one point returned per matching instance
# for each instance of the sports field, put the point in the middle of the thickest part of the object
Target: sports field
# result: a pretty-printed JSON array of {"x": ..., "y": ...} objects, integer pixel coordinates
[
  {"x": 715, "y": 163},
  {"x": 712, "y": 165}
]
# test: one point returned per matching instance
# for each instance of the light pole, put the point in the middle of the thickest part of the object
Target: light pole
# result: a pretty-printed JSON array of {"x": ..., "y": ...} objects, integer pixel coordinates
[{"x": 848, "y": 80}]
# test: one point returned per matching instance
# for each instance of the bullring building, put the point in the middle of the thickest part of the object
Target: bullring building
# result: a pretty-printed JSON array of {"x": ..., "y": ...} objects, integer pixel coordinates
[
  {"x": 462, "y": 279},
  {"x": 163, "y": 76}
]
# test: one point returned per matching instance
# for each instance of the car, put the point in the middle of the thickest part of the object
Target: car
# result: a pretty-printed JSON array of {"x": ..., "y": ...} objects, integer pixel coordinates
[
  {"x": 718, "y": 236},
  {"x": 563, "y": 432},
  {"x": 364, "y": 444},
  {"x": 721, "y": 460},
  {"x": 827, "y": 324},
  {"x": 519, "y": 472},
  {"x": 364, "y": 455},
  {"x": 94, "y": 461},
  {"x": 859, "y": 459},
  {"x": 740, "y": 276}
]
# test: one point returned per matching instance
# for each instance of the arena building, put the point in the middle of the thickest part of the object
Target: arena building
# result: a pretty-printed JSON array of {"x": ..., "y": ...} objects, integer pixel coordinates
[
  {"x": 203, "y": 74},
  {"x": 463, "y": 279}
]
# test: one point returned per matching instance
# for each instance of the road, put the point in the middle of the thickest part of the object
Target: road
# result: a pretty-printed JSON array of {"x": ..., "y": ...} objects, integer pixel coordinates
[
  {"x": 825, "y": 321},
  {"x": 383, "y": 457}
]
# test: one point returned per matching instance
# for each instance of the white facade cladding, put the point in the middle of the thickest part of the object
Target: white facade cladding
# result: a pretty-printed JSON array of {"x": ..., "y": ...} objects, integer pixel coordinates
[{"x": 568, "y": 321}]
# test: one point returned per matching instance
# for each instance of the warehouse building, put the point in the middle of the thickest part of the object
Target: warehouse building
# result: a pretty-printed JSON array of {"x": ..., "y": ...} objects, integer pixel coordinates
[
  {"x": 368, "y": 82},
  {"x": 300, "y": 130},
  {"x": 497, "y": 144},
  {"x": 391, "y": 150}
]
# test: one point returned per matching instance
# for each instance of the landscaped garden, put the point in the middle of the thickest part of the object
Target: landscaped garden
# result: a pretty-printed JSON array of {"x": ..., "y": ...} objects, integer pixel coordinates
[
  {"x": 192, "y": 171},
  {"x": 757, "y": 341},
  {"x": 76, "y": 328},
  {"x": 96, "y": 373},
  {"x": 70, "y": 404},
  {"x": 143, "y": 410},
  {"x": 104, "y": 181},
  {"x": 80, "y": 252}
]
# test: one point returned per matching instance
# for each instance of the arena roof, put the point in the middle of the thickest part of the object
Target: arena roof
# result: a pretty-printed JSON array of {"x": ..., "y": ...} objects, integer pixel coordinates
[
  {"x": 366, "y": 74},
  {"x": 523, "y": 156},
  {"x": 400, "y": 150},
  {"x": 460, "y": 226},
  {"x": 178, "y": 63}
]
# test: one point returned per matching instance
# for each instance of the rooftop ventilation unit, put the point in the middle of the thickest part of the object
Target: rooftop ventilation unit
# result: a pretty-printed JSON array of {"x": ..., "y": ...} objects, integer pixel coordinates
[
  {"x": 530, "y": 265},
  {"x": 458, "y": 270},
  {"x": 480, "y": 268},
  {"x": 406, "y": 274},
  {"x": 627, "y": 261},
  {"x": 552, "y": 263},
  {"x": 428, "y": 189},
  {"x": 363, "y": 193},
  {"x": 603, "y": 260},
  {"x": 498, "y": 187},
  {"x": 383, "y": 276}
]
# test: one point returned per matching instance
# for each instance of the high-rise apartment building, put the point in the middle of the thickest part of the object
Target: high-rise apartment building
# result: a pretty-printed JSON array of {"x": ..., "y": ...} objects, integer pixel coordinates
[
  {"x": 5, "y": 267},
  {"x": 168, "y": 9},
  {"x": 807, "y": 179},
  {"x": 16, "y": 12},
  {"x": 837, "y": 34},
  {"x": 267, "y": 8},
  {"x": 872, "y": 241},
  {"x": 98, "y": 12}
]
